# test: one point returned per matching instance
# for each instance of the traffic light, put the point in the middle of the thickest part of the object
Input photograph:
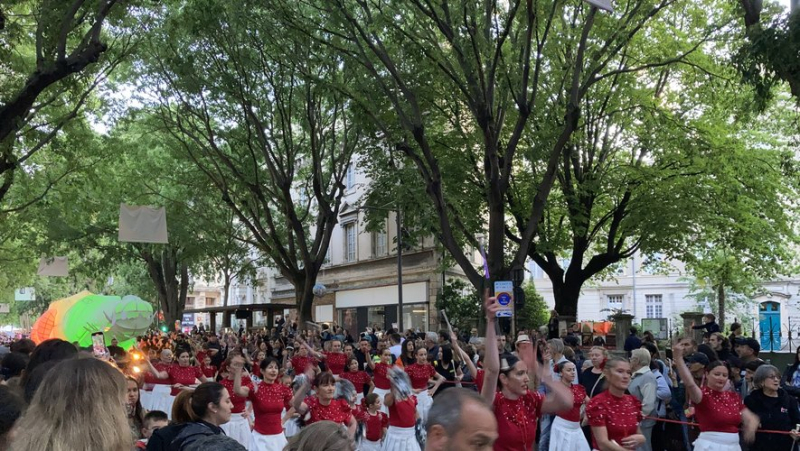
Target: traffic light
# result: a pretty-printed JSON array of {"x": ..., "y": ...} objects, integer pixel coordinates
[{"x": 519, "y": 297}]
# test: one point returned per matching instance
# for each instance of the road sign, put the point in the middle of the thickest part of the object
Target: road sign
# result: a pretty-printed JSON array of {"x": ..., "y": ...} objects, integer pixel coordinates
[{"x": 504, "y": 292}]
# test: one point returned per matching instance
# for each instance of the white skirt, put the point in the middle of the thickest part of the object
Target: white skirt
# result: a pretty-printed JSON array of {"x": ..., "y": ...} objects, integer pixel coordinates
[
  {"x": 162, "y": 400},
  {"x": 424, "y": 403},
  {"x": 381, "y": 393},
  {"x": 717, "y": 441},
  {"x": 260, "y": 442},
  {"x": 400, "y": 439},
  {"x": 238, "y": 428},
  {"x": 146, "y": 398},
  {"x": 367, "y": 445},
  {"x": 567, "y": 436},
  {"x": 291, "y": 427}
]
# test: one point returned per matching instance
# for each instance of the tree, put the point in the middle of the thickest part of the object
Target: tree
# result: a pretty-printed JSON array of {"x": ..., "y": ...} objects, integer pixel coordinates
[
  {"x": 243, "y": 105},
  {"x": 461, "y": 302},
  {"x": 488, "y": 105},
  {"x": 533, "y": 313},
  {"x": 55, "y": 54}
]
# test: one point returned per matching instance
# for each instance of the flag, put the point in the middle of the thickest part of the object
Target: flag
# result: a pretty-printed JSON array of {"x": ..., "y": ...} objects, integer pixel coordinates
[
  {"x": 602, "y": 4},
  {"x": 142, "y": 224},
  {"x": 53, "y": 267}
]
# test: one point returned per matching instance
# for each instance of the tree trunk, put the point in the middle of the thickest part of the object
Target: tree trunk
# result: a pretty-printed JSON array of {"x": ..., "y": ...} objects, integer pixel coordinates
[
  {"x": 721, "y": 301},
  {"x": 171, "y": 280},
  {"x": 304, "y": 296},
  {"x": 226, "y": 317},
  {"x": 566, "y": 296}
]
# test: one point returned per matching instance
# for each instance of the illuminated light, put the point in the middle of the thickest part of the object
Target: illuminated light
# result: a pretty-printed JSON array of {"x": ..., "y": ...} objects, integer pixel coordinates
[
  {"x": 137, "y": 356},
  {"x": 136, "y": 370}
]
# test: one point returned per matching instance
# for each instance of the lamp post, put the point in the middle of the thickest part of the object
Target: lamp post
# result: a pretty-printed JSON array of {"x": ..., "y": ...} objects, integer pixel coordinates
[{"x": 398, "y": 222}]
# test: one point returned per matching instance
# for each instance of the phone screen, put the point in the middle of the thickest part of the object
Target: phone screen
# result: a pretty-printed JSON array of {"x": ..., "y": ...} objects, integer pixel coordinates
[{"x": 98, "y": 344}]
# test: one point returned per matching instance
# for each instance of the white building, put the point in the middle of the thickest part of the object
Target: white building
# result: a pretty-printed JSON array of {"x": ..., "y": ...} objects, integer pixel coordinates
[{"x": 648, "y": 294}]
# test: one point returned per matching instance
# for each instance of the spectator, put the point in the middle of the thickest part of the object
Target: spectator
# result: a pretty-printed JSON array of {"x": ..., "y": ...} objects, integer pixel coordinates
[
  {"x": 791, "y": 377},
  {"x": 709, "y": 324},
  {"x": 208, "y": 407},
  {"x": 79, "y": 406},
  {"x": 11, "y": 406},
  {"x": 12, "y": 366},
  {"x": 460, "y": 421},
  {"x": 431, "y": 344},
  {"x": 134, "y": 408},
  {"x": 396, "y": 344},
  {"x": 153, "y": 421},
  {"x": 736, "y": 333},
  {"x": 215, "y": 442},
  {"x": 776, "y": 409},
  {"x": 632, "y": 342},
  {"x": 750, "y": 369},
  {"x": 552, "y": 325},
  {"x": 643, "y": 386},
  {"x": 25, "y": 346},
  {"x": 321, "y": 436}
]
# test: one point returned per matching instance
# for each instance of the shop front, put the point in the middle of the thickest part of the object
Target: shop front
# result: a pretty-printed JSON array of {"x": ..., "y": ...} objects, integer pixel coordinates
[{"x": 378, "y": 307}]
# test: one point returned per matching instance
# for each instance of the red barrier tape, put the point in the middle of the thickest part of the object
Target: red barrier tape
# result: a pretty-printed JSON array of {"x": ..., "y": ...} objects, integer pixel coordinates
[{"x": 691, "y": 423}]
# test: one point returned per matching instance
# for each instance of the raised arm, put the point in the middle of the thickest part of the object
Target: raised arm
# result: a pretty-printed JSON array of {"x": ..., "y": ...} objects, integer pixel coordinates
[
  {"x": 240, "y": 390},
  {"x": 491, "y": 362},
  {"x": 154, "y": 371},
  {"x": 297, "y": 400},
  {"x": 693, "y": 392},
  {"x": 473, "y": 371}
]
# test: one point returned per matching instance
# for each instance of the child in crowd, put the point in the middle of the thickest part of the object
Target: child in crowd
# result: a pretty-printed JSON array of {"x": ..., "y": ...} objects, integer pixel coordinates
[
  {"x": 376, "y": 425},
  {"x": 153, "y": 421},
  {"x": 208, "y": 369}
]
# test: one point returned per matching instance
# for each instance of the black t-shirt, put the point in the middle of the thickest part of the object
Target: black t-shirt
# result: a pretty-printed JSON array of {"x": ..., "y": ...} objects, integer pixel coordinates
[
  {"x": 776, "y": 414},
  {"x": 448, "y": 373},
  {"x": 588, "y": 380},
  {"x": 216, "y": 359}
]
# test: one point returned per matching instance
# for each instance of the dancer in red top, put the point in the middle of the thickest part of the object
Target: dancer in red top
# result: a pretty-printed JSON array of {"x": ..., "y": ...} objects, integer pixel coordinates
[
  {"x": 302, "y": 361},
  {"x": 718, "y": 412},
  {"x": 269, "y": 398},
  {"x": 151, "y": 391},
  {"x": 238, "y": 427},
  {"x": 360, "y": 379},
  {"x": 209, "y": 370},
  {"x": 566, "y": 433},
  {"x": 403, "y": 416},
  {"x": 182, "y": 376},
  {"x": 516, "y": 408},
  {"x": 382, "y": 387},
  {"x": 421, "y": 373},
  {"x": 613, "y": 415},
  {"x": 323, "y": 406},
  {"x": 376, "y": 425}
]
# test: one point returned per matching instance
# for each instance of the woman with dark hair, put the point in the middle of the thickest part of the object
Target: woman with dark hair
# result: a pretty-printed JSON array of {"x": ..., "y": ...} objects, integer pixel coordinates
[
  {"x": 718, "y": 412},
  {"x": 360, "y": 379},
  {"x": 207, "y": 407},
  {"x": 380, "y": 379},
  {"x": 183, "y": 376},
  {"x": 239, "y": 426},
  {"x": 791, "y": 377},
  {"x": 566, "y": 433},
  {"x": 776, "y": 410},
  {"x": 322, "y": 406},
  {"x": 408, "y": 356},
  {"x": 421, "y": 374},
  {"x": 11, "y": 407},
  {"x": 134, "y": 408},
  {"x": 269, "y": 398},
  {"x": 52, "y": 350},
  {"x": 516, "y": 408},
  {"x": 447, "y": 369}
]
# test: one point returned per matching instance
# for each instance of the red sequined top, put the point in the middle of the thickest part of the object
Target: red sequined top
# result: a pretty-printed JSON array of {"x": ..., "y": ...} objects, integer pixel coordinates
[
  {"x": 150, "y": 378},
  {"x": 336, "y": 362},
  {"x": 379, "y": 377},
  {"x": 209, "y": 371},
  {"x": 337, "y": 411},
  {"x": 375, "y": 425},
  {"x": 358, "y": 378},
  {"x": 239, "y": 402},
  {"x": 268, "y": 404},
  {"x": 620, "y": 416},
  {"x": 578, "y": 396},
  {"x": 300, "y": 363},
  {"x": 184, "y": 375},
  {"x": 403, "y": 414},
  {"x": 420, "y": 375},
  {"x": 517, "y": 420},
  {"x": 719, "y": 411}
]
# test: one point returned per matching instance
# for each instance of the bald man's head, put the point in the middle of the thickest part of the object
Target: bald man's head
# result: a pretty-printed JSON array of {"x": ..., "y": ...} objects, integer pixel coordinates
[{"x": 460, "y": 421}]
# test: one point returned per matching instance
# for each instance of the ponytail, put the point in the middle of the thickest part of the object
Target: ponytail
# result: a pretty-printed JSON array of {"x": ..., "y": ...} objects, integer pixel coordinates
[{"x": 192, "y": 406}]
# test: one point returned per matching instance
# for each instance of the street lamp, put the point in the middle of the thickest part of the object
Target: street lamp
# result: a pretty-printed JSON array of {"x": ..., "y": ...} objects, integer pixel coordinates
[{"x": 399, "y": 260}]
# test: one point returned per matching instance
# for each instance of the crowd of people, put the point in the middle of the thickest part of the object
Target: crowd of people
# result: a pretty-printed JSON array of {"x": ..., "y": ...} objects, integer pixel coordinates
[{"x": 322, "y": 389}]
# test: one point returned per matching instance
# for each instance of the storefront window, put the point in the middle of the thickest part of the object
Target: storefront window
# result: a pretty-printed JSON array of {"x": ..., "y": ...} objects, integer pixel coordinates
[
  {"x": 375, "y": 316},
  {"x": 415, "y": 317},
  {"x": 348, "y": 318}
]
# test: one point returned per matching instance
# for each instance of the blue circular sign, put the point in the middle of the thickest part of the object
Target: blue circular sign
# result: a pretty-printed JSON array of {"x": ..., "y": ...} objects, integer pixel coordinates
[{"x": 504, "y": 299}]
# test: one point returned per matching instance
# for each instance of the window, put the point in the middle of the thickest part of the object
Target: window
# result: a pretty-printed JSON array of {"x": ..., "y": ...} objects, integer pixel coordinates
[
  {"x": 415, "y": 317},
  {"x": 379, "y": 243},
  {"x": 653, "y": 305},
  {"x": 615, "y": 301},
  {"x": 350, "y": 177},
  {"x": 350, "y": 242},
  {"x": 190, "y": 301},
  {"x": 327, "y": 260}
]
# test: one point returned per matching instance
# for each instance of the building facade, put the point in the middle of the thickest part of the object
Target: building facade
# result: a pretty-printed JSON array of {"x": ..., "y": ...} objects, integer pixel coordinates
[{"x": 635, "y": 288}]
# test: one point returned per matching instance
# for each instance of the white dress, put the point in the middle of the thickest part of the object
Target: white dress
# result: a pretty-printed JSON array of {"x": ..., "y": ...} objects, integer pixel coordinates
[
  {"x": 567, "y": 435},
  {"x": 400, "y": 439}
]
